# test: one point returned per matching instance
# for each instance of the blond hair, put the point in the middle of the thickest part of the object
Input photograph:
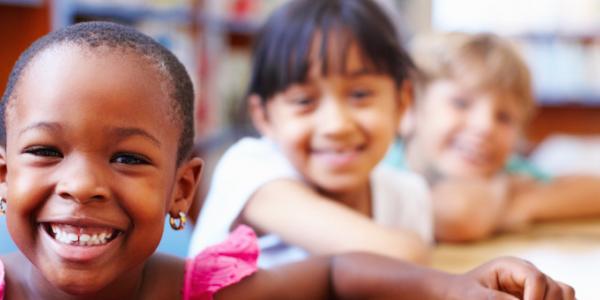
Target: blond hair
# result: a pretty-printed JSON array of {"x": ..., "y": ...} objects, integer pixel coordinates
[{"x": 482, "y": 61}]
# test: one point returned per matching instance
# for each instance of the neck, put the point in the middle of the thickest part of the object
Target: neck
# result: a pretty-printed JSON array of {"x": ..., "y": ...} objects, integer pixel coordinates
[{"x": 127, "y": 286}]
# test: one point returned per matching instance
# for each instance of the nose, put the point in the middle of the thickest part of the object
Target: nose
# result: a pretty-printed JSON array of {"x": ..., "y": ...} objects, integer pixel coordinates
[
  {"x": 483, "y": 119},
  {"x": 335, "y": 119},
  {"x": 82, "y": 180}
]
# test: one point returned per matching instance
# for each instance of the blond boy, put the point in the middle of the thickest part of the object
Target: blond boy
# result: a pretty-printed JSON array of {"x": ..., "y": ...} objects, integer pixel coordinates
[{"x": 473, "y": 99}]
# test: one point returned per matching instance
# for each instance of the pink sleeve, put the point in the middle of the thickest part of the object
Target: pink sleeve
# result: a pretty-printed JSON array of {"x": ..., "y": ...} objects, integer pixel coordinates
[
  {"x": 1, "y": 280},
  {"x": 221, "y": 265}
]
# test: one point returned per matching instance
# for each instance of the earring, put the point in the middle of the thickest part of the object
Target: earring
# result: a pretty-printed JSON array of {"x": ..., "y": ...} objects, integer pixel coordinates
[
  {"x": 3, "y": 205},
  {"x": 178, "y": 223}
]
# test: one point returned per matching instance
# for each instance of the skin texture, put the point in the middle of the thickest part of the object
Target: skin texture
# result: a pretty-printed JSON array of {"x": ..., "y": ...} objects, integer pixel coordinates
[
  {"x": 334, "y": 129},
  {"x": 88, "y": 144},
  {"x": 463, "y": 154}
]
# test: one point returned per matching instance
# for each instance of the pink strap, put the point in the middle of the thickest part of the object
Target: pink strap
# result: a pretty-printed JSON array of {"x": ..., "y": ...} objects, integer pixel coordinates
[
  {"x": 1, "y": 280},
  {"x": 221, "y": 265}
]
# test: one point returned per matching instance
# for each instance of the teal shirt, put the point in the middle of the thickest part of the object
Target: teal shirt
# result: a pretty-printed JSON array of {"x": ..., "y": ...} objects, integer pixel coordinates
[{"x": 515, "y": 165}]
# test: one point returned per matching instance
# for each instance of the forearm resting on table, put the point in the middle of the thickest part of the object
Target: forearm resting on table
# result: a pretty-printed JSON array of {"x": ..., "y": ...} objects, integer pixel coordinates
[
  {"x": 343, "y": 276},
  {"x": 361, "y": 276},
  {"x": 302, "y": 217},
  {"x": 563, "y": 198}
]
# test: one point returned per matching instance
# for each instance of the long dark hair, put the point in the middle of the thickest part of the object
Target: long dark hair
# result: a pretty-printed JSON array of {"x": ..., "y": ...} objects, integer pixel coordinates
[{"x": 282, "y": 51}]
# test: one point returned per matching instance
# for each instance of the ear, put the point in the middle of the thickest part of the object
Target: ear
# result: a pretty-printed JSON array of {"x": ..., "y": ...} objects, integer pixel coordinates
[
  {"x": 187, "y": 181},
  {"x": 407, "y": 106},
  {"x": 259, "y": 116}
]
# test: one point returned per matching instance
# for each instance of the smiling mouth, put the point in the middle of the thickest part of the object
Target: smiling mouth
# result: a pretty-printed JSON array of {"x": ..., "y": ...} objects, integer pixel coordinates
[
  {"x": 87, "y": 236},
  {"x": 473, "y": 155}
]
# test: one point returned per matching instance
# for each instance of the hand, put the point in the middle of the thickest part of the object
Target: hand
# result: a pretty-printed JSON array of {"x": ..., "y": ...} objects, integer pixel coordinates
[
  {"x": 511, "y": 278},
  {"x": 468, "y": 209}
]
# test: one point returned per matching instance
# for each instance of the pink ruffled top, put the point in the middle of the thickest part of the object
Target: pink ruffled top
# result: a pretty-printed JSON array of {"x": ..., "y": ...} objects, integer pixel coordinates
[
  {"x": 221, "y": 265},
  {"x": 213, "y": 269}
]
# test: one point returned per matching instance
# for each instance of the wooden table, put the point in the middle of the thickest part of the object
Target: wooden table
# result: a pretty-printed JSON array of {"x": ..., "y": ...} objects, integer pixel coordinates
[{"x": 567, "y": 251}]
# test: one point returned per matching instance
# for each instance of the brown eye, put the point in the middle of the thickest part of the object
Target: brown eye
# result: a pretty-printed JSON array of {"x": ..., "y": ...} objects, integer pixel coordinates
[
  {"x": 129, "y": 159},
  {"x": 303, "y": 101},
  {"x": 43, "y": 151},
  {"x": 460, "y": 103},
  {"x": 504, "y": 117},
  {"x": 360, "y": 94}
]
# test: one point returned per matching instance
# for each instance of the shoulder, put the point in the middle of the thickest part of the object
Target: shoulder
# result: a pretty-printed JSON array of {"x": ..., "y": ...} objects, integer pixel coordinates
[
  {"x": 221, "y": 265},
  {"x": 252, "y": 159},
  {"x": 159, "y": 286},
  {"x": 247, "y": 166},
  {"x": 251, "y": 147},
  {"x": 12, "y": 276},
  {"x": 519, "y": 165}
]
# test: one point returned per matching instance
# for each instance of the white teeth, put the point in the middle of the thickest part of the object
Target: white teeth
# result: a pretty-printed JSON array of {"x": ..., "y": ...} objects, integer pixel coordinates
[
  {"x": 80, "y": 239},
  {"x": 84, "y": 238},
  {"x": 72, "y": 237}
]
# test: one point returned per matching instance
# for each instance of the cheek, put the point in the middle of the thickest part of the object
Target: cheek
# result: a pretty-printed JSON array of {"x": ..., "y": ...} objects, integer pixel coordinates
[
  {"x": 381, "y": 127},
  {"x": 146, "y": 201},
  {"x": 26, "y": 192},
  {"x": 294, "y": 135},
  {"x": 507, "y": 140}
]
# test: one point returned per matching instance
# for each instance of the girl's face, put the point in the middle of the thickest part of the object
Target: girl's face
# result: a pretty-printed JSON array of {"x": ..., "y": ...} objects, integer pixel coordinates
[
  {"x": 463, "y": 132},
  {"x": 334, "y": 129},
  {"x": 90, "y": 166}
]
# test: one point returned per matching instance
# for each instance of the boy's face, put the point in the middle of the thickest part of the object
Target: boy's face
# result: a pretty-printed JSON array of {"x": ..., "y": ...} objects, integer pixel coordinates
[
  {"x": 334, "y": 129},
  {"x": 91, "y": 164},
  {"x": 464, "y": 132}
]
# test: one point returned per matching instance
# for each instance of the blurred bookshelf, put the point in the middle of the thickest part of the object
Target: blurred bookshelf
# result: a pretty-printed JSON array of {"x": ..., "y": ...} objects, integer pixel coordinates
[
  {"x": 211, "y": 37},
  {"x": 559, "y": 39},
  {"x": 26, "y": 3}
]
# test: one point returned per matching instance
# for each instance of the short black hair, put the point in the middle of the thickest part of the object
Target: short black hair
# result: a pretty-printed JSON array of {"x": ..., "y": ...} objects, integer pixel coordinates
[
  {"x": 283, "y": 45},
  {"x": 95, "y": 34}
]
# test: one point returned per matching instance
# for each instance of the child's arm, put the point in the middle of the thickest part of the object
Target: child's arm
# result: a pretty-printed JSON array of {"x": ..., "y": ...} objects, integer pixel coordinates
[
  {"x": 466, "y": 210},
  {"x": 302, "y": 217},
  {"x": 364, "y": 276},
  {"x": 562, "y": 198}
]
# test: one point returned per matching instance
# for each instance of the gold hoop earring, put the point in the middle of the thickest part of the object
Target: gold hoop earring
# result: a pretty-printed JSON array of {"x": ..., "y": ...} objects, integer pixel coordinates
[
  {"x": 179, "y": 222},
  {"x": 3, "y": 206}
]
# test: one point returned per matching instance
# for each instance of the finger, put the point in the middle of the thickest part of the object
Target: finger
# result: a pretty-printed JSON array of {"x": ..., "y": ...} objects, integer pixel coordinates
[
  {"x": 535, "y": 286},
  {"x": 553, "y": 290},
  {"x": 567, "y": 291}
]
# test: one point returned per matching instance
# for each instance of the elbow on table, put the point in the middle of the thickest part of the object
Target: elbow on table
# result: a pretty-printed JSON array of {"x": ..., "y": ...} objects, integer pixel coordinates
[{"x": 463, "y": 230}]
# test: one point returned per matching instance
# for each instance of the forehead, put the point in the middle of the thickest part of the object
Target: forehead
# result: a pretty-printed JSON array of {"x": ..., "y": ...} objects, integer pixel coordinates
[
  {"x": 462, "y": 88},
  {"x": 71, "y": 78},
  {"x": 336, "y": 56}
]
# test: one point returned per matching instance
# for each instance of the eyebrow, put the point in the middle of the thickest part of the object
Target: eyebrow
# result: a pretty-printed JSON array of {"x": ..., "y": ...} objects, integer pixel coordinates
[
  {"x": 122, "y": 133},
  {"x": 360, "y": 72},
  {"x": 46, "y": 126}
]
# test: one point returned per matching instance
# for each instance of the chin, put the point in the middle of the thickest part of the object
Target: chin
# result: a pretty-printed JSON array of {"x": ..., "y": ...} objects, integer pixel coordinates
[{"x": 76, "y": 284}]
